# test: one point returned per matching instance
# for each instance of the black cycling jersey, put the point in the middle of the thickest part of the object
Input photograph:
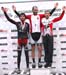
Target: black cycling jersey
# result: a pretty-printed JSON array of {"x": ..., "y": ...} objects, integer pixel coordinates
[{"x": 23, "y": 30}]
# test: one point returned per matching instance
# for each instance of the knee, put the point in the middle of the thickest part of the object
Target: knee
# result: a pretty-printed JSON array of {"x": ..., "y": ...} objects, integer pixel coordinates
[
  {"x": 33, "y": 46},
  {"x": 40, "y": 47}
]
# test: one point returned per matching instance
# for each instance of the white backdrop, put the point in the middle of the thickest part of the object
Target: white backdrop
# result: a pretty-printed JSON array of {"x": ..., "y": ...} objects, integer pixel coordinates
[{"x": 8, "y": 35}]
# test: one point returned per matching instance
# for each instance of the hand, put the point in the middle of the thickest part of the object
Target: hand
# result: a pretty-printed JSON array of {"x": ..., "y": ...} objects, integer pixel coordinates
[
  {"x": 48, "y": 26},
  {"x": 13, "y": 7},
  {"x": 64, "y": 8},
  {"x": 4, "y": 9},
  {"x": 56, "y": 5}
]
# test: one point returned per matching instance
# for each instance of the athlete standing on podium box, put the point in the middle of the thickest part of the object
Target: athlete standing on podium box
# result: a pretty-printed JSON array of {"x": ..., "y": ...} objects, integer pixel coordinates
[
  {"x": 48, "y": 36},
  {"x": 35, "y": 30},
  {"x": 23, "y": 31}
]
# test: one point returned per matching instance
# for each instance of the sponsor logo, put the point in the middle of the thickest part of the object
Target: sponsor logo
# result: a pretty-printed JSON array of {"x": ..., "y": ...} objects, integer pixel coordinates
[
  {"x": 1, "y": 30},
  {"x": 3, "y": 37},
  {"x": 62, "y": 35},
  {"x": 14, "y": 43},
  {"x": 63, "y": 41},
  {"x": 63, "y": 54},
  {"x": 4, "y": 56},
  {"x": 5, "y": 68},
  {"x": 3, "y": 50},
  {"x": 62, "y": 28},
  {"x": 2, "y": 44},
  {"x": 4, "y": 63},
  {"x": 63, "y": 48}
]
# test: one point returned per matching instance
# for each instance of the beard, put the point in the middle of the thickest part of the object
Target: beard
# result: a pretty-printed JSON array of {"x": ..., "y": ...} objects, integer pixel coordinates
[
  {"x": 35, "y": 13},
  {"x": 47, "y": 17}
]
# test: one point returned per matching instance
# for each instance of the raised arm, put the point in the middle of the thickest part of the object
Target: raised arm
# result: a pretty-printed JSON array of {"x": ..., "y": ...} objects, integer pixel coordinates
[
  {"x": 5, "y": 13},
  {"x": 61, "y": 16},
  {"x": 14, "y": 9},
  {"x": 52, "y": 11}
]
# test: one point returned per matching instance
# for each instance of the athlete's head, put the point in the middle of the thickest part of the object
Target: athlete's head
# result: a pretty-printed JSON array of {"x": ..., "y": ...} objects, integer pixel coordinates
[
  {"x": 47, "y": 14},
  {"x": 35, "y": 10},
  {"x": 22, "y": 16}
]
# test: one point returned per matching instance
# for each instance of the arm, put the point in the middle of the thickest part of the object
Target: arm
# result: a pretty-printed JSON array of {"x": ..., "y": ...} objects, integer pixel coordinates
[
  {"x": 43, "y": 15},
  {"x": 12, "y": 21},
  {"x": 17, "y": 13},
  {"x": 60, "y": 17},
  {"x": 52, "y": 11},
  {"x": 5, "y": 10},
  {"x": 28, "y": 28},
  {"x": 14, "y": 9}
]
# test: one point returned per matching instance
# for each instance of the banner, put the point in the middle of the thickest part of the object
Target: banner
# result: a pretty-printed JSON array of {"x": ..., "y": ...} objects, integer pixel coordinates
[{"x": 8, "y": 35}]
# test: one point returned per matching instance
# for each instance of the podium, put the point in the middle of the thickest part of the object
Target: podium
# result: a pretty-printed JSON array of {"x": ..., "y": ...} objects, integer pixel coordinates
[{"x": 39, "y": 72}]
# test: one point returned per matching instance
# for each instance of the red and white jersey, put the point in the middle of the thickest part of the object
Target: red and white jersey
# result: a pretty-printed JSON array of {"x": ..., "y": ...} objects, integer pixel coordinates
[
  {"x": 46, "y": 23},
  {"x": 49, "y": 22},
  {"x": 35, "y": 22}
]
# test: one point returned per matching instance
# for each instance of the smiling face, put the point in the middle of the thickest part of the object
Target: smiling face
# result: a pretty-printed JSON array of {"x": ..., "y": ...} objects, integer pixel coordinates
[
  {"x": 47, "y": 14},
  {"x": 35, "y": 10}
]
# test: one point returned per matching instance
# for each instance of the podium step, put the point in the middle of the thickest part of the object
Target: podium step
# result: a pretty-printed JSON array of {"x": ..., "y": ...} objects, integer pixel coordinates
[
  {"x": 37, "y": 72},
  {"x": 40, "y": 72},
  {"x": 44, "y": 72},
  {"x": 23, "y": 72}
]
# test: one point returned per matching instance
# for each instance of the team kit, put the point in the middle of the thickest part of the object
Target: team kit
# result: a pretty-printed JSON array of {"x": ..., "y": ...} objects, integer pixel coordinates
[{"x": 40, "y": 28}]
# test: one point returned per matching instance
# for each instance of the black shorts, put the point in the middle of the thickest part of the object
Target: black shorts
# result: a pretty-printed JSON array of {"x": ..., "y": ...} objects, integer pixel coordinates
[{"x": 36, "y": 36}]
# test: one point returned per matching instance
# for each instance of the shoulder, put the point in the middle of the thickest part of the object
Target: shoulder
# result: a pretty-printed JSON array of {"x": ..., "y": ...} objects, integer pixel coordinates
[
  {"x": 43, "y": 19},
  {"x": 27, "y": 21},
  {"x": 18, "y": 22}
]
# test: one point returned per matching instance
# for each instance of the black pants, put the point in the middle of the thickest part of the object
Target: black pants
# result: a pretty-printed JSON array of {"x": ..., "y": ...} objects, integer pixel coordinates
[
  {"x": 19, "y": 57},
  {"x": 48, "y": 48}
]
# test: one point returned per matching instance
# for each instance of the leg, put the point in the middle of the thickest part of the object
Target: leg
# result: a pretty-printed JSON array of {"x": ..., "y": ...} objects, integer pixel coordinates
[
  {"x": 27, "y": 57},
  {"x": 33, "y": 55},
  {"x": 19, "y": 57},
  {"x": 39, "y": 46},
  {"x": 33, "y": 51},
  {"x": 32, "y": 48},
  {"x": 39, "y": 50},
  {"x": 19, "y": 50},
  {"x": 50, "y": 49},
  {"x": 27, "y": 60},
  {"x": 45, "y": 44},
  {"x": 39, "y": 54}
]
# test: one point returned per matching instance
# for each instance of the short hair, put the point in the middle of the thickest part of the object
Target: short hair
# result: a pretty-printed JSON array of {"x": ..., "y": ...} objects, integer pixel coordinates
[
  {"x": 47, "y": 11},
  {"x": 34, "y": 7},
  {"x": 22, "y": 14}
]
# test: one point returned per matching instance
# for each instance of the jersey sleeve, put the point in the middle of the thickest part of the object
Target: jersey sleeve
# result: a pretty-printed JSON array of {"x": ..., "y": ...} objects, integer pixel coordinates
[
  {"x": 59, "y": 18},
  {"x": 52, "y": 11},
  {"x": 42, "y": 21},
  {"x": 9, "y": 19},
  {"x": 27, "y": 21},
  {"x": 17, "y": 13},
  {"x": 28, "y": 28},
  {"x": 28, "y": 17},
  {"x": 42, "y": 16}
]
